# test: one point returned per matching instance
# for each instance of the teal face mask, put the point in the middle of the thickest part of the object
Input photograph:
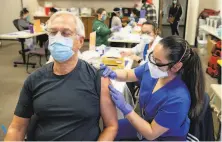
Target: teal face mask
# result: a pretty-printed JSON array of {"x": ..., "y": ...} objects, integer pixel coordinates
[
  {"x": 61, "y": 48},
  {"x": 28, "y": 18},
  {"x": 121, "y": 16},
  {"x": 103, "y": 18}
]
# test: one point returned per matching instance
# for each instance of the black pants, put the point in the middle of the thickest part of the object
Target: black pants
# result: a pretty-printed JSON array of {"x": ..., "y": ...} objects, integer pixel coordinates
[
  {"x": 175, "y": 27},
  {"x": 42, "y": 39}
]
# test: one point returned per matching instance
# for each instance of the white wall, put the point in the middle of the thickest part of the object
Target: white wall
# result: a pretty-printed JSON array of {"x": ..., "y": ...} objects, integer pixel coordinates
[
  {"x": 192, "y": 14},
  {"x": 211, "y": 4},
  {"x": 107, "y": 4},
  {"x": 33, "y": 5},
  {"x": 9, "y": 10}
]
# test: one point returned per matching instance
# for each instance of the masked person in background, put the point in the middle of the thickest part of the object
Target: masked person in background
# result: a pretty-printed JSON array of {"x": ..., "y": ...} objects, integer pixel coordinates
[
  {"x": 149, "y": 39},
  {"x": 68, "y": 96},
  {"x": 116, "y": 23},
  {"x": 116, "y": 18},
  {"x": 175, "y": 13},
  {"x": 150, "y": 10},
  {"x": 23, "y": 24},
  {"x": 24, "y": 21},
  {"x": 134, "y": 17},
  {"x": 101, "y": 29},
  {"x": 171, "y": 93}
]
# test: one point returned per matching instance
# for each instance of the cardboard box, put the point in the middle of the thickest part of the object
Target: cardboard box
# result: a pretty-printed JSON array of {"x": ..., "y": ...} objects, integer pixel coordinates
[{"x": 210, "y": 45}]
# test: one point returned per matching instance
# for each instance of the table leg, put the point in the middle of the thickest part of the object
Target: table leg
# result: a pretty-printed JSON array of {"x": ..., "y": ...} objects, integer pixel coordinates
[{"x": 23, "y": 62}]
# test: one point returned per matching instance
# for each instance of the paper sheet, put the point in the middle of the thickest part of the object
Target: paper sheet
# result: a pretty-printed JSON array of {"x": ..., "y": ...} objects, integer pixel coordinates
[
  {"x": 92, "y": 41},
  {"x": 37, "y": 26}
]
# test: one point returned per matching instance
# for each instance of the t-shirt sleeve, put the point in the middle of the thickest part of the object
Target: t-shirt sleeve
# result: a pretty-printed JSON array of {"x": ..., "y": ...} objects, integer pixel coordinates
[
  {"x": 24, "y": 107},
  {"x": 172, "y": 114},
  {"x": 98, "y": 81},
  {"x": 139, "y": 71}
]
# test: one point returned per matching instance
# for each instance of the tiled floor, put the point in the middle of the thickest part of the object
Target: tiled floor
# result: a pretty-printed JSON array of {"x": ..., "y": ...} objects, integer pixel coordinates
[
  {"x": 166, "y": 31},
  {"x": 11, "y": 80}
]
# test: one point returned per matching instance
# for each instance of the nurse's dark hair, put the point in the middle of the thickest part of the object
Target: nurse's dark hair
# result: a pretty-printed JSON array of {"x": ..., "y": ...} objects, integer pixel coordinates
[
  {"x": 191, "y": 72},
  {"x": 23, "y": 11},
  {"x": 154, "y": 24},
  {"x": 115, "y": 10},
  {"x": 136, "y": 12},
  {"x": 100, "y": 11}
]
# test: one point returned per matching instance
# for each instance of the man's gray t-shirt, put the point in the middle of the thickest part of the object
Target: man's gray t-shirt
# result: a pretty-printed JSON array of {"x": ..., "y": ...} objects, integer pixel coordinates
[{"x": 67, "y": 106}]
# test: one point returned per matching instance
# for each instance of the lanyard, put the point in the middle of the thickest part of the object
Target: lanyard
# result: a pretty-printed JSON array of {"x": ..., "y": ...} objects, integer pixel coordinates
[{"x": 145, "y": 51}]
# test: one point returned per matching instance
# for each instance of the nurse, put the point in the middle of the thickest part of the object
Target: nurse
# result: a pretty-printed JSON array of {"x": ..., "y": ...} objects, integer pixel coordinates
[
  {"x": 102, "y": 30},
  {"x": 172, "y": 91},
  {"x": 149, "y": 39}
]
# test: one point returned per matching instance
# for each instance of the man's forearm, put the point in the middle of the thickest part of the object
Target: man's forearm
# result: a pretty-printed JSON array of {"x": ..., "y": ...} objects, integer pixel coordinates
[
  {"x": 14, "y": 135},
  {"x": 108, "y": 134}
]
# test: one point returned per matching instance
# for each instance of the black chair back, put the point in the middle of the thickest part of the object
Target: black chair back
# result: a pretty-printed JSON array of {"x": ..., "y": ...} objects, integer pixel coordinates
[{"x": 15, "y": 22}]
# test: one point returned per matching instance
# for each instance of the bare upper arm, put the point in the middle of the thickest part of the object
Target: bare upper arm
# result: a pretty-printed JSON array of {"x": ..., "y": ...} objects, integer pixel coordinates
[{"x": 107, "y": 107}]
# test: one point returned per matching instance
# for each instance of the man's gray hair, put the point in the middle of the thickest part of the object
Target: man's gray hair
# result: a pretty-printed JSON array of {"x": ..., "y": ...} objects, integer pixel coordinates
[{"x": 80, "y": 29}]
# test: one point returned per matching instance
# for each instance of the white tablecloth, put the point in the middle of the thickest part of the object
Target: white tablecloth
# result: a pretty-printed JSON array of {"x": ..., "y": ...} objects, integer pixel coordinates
[{"x": 215, "y": 98}]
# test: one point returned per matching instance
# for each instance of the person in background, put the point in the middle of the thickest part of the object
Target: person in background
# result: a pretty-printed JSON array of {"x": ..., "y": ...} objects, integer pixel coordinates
[
  {"x": 116, "y": 23},
  {"x": 23, "y": 24},
  {"x": 101, "y": 29},
  {"x": 171, "y": 93},
  {"x": 176, "y": 12},
  {"x": 116, "y": 18},
  {"x": 24, "y": 21},
  {"x": 134, "y": 17},
  {"x": 149, "y": 40},
  {"x": 67, "y": 96},
  {"x": 150, "y": 10},
  {"x": 135, "y": 14},
  {"x": 53, "y": 10}
]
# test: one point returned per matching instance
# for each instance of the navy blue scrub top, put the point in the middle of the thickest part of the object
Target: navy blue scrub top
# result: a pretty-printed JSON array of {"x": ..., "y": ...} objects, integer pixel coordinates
[{"x": 168, "y": 106}]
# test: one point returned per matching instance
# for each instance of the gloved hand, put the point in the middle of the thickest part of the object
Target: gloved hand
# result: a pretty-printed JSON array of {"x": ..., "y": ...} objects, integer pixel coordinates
[
  {"x": 108, "y": 72},
  {"x": 115, "y": 28},
  {"x": 119, "y": 100}
]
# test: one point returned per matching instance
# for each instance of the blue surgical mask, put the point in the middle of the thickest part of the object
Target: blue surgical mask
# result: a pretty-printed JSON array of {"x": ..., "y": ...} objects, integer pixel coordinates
[
  {"x": 103, "y": 18},
  {"x": 61, "y": 47}
]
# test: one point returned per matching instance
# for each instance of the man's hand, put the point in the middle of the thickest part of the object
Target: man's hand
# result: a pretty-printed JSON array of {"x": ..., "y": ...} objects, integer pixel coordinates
[{"x": 119, "y": 100}]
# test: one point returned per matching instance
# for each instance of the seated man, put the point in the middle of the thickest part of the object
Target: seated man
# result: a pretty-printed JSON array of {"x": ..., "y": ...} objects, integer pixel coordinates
[{"x": 65, "y": 94}]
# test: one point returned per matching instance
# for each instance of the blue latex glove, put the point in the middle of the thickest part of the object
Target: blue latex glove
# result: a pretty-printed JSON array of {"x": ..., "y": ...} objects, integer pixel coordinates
[
  {"x": 108, "y": 72},
  {"x": 119, "y": 100},
  {"x": 116, "y": 28}
]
